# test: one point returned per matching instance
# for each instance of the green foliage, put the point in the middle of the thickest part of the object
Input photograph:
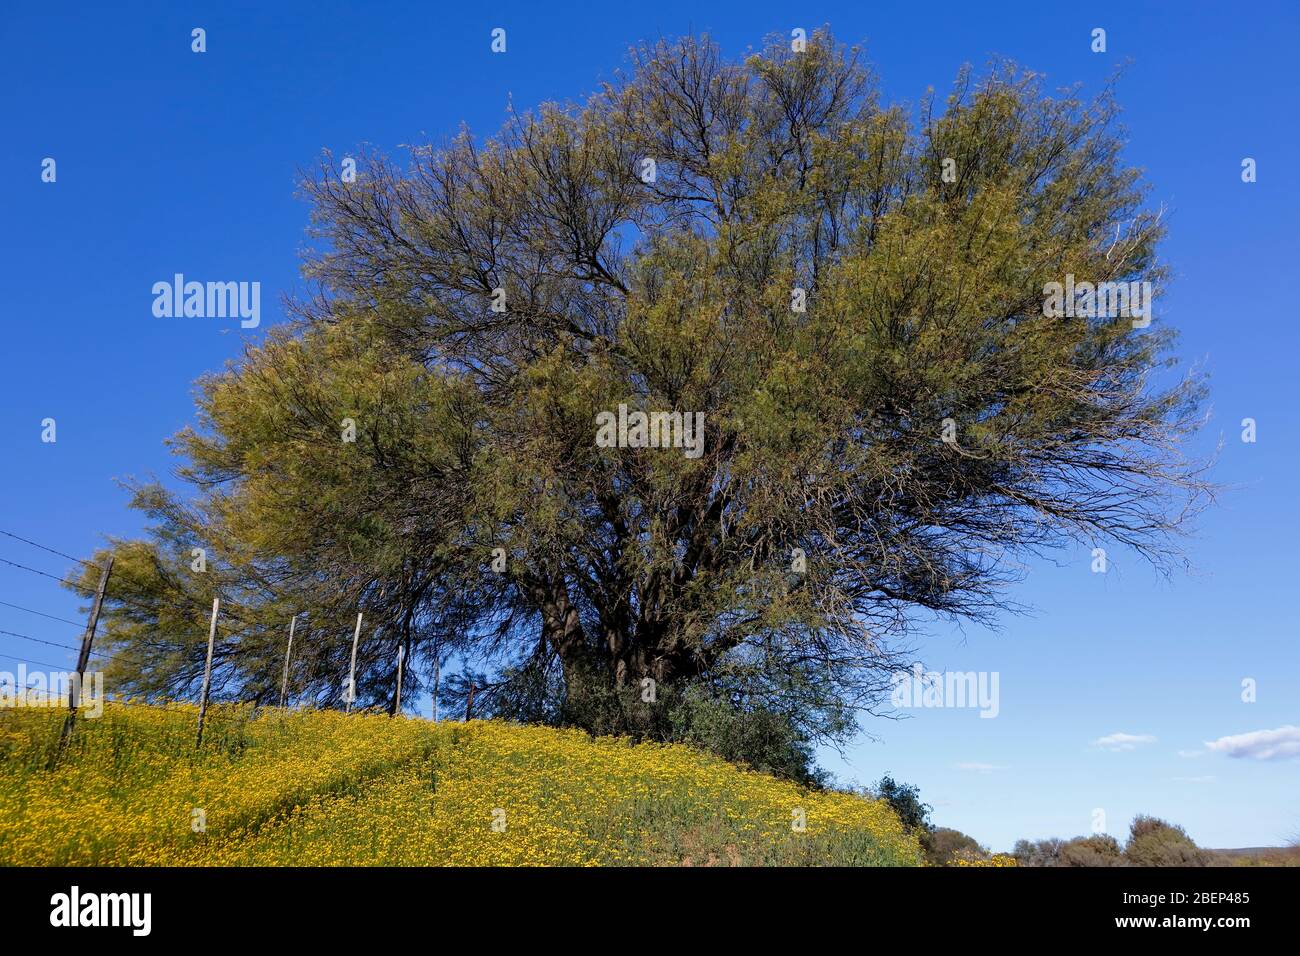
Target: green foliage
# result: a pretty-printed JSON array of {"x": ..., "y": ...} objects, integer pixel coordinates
[
  {"x": 1100, "y": 849},
  {"x": 905, "y": 799},
  {"x": 753, "y": 735},
  {"x": 943, "y": 846},
  {"x": 1153, "y": 842}
]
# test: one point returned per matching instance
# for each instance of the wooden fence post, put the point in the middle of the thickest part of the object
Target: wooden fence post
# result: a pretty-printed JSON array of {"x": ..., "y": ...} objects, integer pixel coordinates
[
  {"x": 207, "y": 672},
  {"x": 284, "y": 681},
  {"x": 397, "y": 701},
  {"x": 352, "y": 672},
  {"x": 83, "y": 657}
]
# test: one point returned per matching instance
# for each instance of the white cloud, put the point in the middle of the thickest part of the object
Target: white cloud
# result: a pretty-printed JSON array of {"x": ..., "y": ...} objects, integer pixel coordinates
[
  {"x": 980, "y": 767},
  {"x": 1260, "y": 744},
  {"x": 1122, "y": 741}
]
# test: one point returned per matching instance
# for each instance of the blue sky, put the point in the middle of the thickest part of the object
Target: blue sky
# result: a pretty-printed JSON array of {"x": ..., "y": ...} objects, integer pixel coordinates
[{"x": 170, "y": 161}]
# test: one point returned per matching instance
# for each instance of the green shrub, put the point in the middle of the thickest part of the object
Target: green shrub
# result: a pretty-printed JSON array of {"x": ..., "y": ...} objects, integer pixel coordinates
[
  {"x": 1153, "y": 842},
  {"x": 945, "y": 845},
  {"x": 905, "y": 798},
  {"x": 754, "y": 735},
  {"x": 1101, "y": 849}
]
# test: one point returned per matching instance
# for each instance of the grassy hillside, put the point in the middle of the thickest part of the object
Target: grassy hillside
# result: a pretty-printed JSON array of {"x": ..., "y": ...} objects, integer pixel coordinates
[{"x": 310, "y": 788}]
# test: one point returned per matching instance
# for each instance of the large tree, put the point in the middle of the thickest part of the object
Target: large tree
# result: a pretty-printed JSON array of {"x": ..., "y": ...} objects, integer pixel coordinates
[{"x": 850, "y": 293}]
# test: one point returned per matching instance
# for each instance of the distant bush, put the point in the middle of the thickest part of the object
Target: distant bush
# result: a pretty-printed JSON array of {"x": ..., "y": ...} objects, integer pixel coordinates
[
  {"x": 1098, "y": 850},
  {"x": 1101, "y": 849},
  {"x": 944, "y": 846},
  {"x": 1038, "y": 852},
  {"x": 1153, "y": 842},
  {"x": 1263, "y": 856}
]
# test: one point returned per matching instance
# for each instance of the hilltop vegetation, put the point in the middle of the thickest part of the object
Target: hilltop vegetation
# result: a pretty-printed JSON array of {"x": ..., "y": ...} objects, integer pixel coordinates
[
  {"x": 274, "y": 787},
  {"x": 1151, "y": 842}
]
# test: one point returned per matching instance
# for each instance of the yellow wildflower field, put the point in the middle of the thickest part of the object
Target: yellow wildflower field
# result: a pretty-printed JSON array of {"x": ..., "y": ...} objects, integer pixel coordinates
[{"x": 277, "y": 788}]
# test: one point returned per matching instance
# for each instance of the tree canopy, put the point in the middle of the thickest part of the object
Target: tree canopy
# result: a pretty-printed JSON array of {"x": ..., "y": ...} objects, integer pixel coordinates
[{"x": 850, "y": 294}]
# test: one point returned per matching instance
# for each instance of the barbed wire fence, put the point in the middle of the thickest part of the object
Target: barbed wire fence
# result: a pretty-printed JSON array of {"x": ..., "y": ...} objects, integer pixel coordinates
[{"x": 86, "y": 653}]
